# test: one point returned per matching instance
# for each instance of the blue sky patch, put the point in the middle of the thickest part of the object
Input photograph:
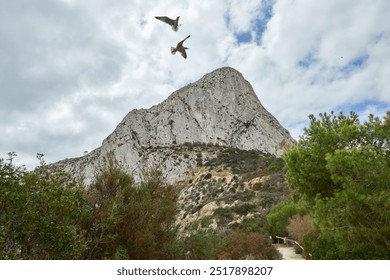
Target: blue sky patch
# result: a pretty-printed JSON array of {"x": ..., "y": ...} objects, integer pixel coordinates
[
  {"x": 329, "y": 74},
  {"x": 228, "y": 19},
  {"x": 258, "y": 25},
  {"x": 261, "y": 23},
  {"x": 243, "y": 37},
  {"x": 362, "y": 106},
  {"x": 356, "y": 62},
  {"x": 308, "y": 60}
]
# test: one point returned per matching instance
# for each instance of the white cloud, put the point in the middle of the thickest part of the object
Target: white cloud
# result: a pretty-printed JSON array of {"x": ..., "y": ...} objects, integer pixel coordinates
[
  {"x": 332, "y": 34},
  {"x": 243, "y": 13},
  {"x": 73, "y": 69}
]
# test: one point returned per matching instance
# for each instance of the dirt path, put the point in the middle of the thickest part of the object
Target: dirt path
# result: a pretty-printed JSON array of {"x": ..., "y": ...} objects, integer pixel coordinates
[{"x": 288, "y": 253}]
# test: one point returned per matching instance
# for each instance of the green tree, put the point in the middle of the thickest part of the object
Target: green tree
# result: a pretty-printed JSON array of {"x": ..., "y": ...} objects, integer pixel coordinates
[
  {"x": 39, "y": 213},
  {"x": 342, "y": 168},
  {"x": 355, "y": 226},
  {"x": 308, "y": 168},
  {"x": 277, "y": 218}
]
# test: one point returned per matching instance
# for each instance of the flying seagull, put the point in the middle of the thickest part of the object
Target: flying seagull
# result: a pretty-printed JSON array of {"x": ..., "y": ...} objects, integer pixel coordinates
[
  {"x": 174, "y": 23},
  {"x": 180, "y": 48}
]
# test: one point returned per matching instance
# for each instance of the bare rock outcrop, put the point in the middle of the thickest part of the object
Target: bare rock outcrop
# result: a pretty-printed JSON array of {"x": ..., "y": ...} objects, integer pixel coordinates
[{"x": 221, "y": 109}]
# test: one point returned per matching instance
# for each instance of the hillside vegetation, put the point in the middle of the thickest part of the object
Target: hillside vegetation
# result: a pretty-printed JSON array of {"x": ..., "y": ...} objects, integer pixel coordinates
[
  {"x": 47, "y": 214},
  {"x": 331, "y": 193},
  {"x": 340, "y": 174}
]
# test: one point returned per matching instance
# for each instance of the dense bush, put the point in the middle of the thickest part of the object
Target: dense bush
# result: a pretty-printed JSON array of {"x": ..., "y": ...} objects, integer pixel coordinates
[
  {"x": 202, "y": 244},
  {"x": 241, "y": 246},
  {"x": 44, "y": 214},
  {"x": 39, "y": 214},
  {"x": 243, "y": 209},
  {"x": 130, "y": 221},
  {"x": 278, "y": 217}
]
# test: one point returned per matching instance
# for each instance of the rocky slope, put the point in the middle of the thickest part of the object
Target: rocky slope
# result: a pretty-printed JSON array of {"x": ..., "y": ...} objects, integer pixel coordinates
[
  {"x": 232, "y": 191},
  {"x": 219, "y": 111}
]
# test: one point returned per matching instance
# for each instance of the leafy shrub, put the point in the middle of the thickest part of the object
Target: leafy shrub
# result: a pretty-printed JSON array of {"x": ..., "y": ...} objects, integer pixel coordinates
[
  {"x": 202, "y": 245},
  {"x": 278, "y": 217},
  {"x": 40, "y": 213},
  {"x": 224, "y": 213},
  {"x": 137, "y": 221},
  {"x": 243, "y": 209},
  {"x": 241, "y": 246},
  {"x": 276, "y": 164}
]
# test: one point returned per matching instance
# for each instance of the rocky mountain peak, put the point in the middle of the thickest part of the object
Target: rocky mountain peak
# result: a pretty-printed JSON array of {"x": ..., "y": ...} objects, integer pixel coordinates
[{"x": 220, "y": 109}]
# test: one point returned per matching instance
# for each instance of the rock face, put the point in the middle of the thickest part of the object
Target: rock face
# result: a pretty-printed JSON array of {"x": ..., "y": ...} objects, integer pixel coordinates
[{"x": 221, "y": 109}]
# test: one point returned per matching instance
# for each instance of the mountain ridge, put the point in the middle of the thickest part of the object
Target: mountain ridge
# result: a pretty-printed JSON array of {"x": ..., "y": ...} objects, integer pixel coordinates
[{"x": 220, "y": 109}]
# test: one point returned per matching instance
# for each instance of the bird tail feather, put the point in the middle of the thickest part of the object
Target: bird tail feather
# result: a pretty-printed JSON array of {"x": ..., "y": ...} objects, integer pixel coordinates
[{"x": 173, "y": 50}]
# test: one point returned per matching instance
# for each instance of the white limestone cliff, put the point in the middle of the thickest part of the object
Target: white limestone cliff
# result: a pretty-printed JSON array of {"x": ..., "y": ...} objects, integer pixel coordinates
[{"x": 220, "y": 109}]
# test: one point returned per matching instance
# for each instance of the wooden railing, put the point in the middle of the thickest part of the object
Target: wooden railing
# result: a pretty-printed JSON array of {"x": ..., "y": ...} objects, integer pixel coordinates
[{"x": 292, "y": 241}]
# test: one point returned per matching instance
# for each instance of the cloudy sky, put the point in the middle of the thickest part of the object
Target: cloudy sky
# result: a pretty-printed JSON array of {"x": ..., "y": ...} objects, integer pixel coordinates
[{"x": 70, "y": 70}]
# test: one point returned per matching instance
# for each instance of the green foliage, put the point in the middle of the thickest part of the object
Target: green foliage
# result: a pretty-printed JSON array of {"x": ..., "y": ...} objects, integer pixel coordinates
[
  {"x": 243, "y": 209},
  {"x": 44, "y": 214},
  {"x": 276, "y": 164},
  {"x": 279, "y": 215},
  {"x": 357, "y": 224},
  {"x": 240, "y": 161},
  {"x": 331, "y": 138},
  {"x": 254, "y": 225},
  {"x": 130, "y": 221},
  {"x": 342, "y": 168},
  {"x": 39, "y": 214},
  {"x": 224, "y": 213},
  {"x": 202, "y": 245}
]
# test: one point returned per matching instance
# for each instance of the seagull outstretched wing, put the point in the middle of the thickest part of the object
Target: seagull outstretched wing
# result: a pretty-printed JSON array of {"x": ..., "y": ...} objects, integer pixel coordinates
[
  {"x": 180, "y": 48},
  {"x": 174, "y": 23}
]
